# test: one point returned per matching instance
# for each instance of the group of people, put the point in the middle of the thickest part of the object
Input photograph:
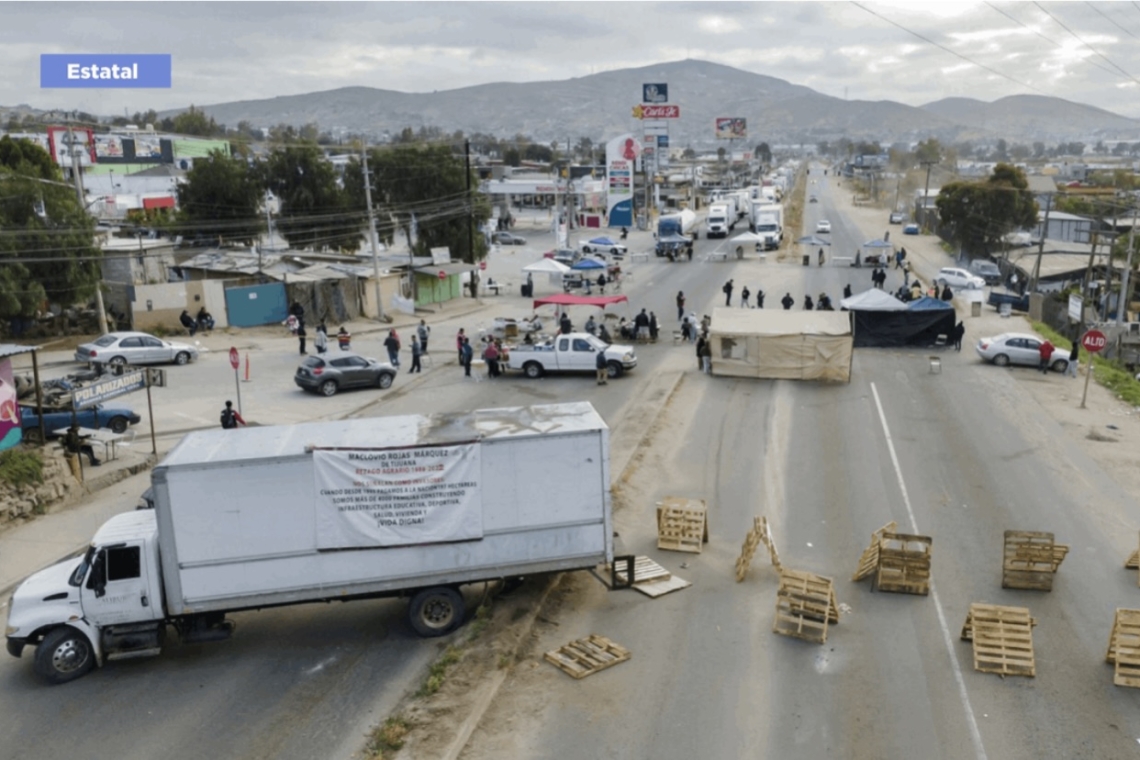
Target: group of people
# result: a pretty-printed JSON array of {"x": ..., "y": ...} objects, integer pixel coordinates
[
  {"x": 494, "y": 353},
  {"x": 296, "y": 324},
  {"x": 204, "y": 321}
]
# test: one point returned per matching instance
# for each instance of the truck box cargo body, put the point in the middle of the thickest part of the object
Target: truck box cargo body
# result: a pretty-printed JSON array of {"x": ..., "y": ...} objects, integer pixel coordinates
[{"x": 268, "y": 516}]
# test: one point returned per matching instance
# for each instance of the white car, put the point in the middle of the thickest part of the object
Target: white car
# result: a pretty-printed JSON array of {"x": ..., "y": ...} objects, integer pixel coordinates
[
  {"x": 603, "y": 245},
  {"x": 959, "y": 279},
  {"x": 120, "y": 348},
  {"x": 1019, "y": 348},
  {"x": 823, "y": 226}
]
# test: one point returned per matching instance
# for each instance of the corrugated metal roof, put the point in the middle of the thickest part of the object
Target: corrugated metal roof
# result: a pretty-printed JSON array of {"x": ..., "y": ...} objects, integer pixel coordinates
[{"x": 11, "y": 349}]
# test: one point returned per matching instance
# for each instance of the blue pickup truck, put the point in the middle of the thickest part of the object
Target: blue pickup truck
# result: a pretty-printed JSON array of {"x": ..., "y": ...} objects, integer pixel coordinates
[{"x": 118, "y": 419}]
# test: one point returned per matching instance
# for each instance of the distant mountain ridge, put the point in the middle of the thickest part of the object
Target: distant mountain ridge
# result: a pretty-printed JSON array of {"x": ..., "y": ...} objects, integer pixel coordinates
[{"x": 599, "y": 106}]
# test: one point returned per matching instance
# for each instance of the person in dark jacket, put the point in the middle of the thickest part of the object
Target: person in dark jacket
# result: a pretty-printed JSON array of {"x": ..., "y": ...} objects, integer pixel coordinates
[
  {"x": 564, "y": 324},
  {"x": 787, "y": 301},
  {"x": 465, "y": 355},
  {"x": 808, "y": 305},
  {"x": 947, "y": 294},
  {"x": 727, "y": 293},
  {"x": 188, "y": 322},
  {"x": 680, "y": 305},
  {"x": 600, "y": 365},
  {"x": 653, "y": 327},
  {"x": 702, "y": 341},
  {"x": 301, "y": 335},
  {"x": 759, "y": 298},
  {"x": 641, "y": 322},
  {"x": 959, "y": 333},
  {"x": 75, "y": 444},
  {"x": 392, "y": 343},
  {"x": 847, "y": 290},
  {"x": 744, "y": 296},
  {"x": 417, "y": 352}
]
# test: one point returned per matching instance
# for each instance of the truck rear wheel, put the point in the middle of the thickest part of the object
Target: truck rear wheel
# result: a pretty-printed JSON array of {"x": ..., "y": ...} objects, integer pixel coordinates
[
  {"x": 436, "y": 611},
  {"x": 64, "y": 655},
  {"x": 533, "y": 370}
]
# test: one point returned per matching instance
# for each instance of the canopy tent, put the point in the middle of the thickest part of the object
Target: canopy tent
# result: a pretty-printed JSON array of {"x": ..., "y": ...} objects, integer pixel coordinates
[
  {"x": 569, "y": 299},
  {"x": 899, "y": 329},
  {"x": 877, "y": 245},
  {"x": 747, "y": 237},
  {"x": 771, "y": 343},
  {"x": 872, "y": 300},
  {"x": 588, "y": 263},
  {"x": 926, "y": 303},
  {"x": 812, "y": 240},
  {"x": 546, "y": 266}
]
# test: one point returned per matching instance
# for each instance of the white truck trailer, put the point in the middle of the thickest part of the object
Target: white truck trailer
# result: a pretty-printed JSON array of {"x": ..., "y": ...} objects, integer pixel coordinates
[
  {"x": 722, "y": 218},
  {"x": 259, "y": 517}
]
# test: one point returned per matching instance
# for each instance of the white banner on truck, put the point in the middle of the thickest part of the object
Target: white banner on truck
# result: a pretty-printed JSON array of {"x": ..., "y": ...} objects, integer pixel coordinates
[{"x": 396, "y": 497}]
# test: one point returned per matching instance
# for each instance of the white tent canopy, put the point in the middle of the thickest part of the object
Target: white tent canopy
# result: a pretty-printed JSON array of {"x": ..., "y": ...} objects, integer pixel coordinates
[
  {"x": 549, "y": 266},
  {"x": 873, "y": 299}
]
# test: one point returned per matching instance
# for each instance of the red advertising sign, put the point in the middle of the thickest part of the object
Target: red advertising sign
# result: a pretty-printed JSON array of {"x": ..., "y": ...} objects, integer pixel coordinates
[
  {"x": 656, "y": 112},
  {"x": 234, "y": 360},
  {"x": 442, "y": 275},
  {"x": 1094, "y": 341},
  {"x": 482, "y": 264}
]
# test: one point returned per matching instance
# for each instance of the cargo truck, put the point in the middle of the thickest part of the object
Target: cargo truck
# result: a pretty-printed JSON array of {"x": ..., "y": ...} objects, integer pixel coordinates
[
  {"x": 722, "y": 218},
  {"x": 414, "y": 506}
]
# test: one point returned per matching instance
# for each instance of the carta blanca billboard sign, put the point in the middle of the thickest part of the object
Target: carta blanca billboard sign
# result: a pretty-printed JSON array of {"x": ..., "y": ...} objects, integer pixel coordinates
[
  {"x": 91, "y": 70},
  {"x": 108, "y": 389}
]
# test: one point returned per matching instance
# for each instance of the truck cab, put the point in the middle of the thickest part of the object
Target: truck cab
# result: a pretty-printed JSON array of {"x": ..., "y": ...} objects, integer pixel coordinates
[
  {"x": 718, "y": 221},
  {"x": 106, "y": 604}
]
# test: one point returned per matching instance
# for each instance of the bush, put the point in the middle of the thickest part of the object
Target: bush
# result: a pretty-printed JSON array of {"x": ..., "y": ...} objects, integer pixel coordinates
[
  {"x": 21, "y": 467},
  {"x": 1107, "y": 372}
]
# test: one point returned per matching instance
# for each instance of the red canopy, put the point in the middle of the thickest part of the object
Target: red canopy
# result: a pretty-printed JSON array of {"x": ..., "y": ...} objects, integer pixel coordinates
[{"x": 569, "y": 299}]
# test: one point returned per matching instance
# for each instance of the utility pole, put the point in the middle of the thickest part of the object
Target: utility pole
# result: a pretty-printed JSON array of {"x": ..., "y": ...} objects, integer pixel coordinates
[
  {"x": 372, "y": 236},
  {"x": 99, "y": 308},
  {"x": 1086, "y": 285},
  {"x": 926, "y": 189},
  {"x": 1041, "y": 244},
  {"x": 1125, "y": 283},
  {"x": 470, "y": 220}
]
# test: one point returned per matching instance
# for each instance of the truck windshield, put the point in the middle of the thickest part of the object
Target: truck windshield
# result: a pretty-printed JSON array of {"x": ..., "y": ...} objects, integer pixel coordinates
[{"x": 80, "y": 573}]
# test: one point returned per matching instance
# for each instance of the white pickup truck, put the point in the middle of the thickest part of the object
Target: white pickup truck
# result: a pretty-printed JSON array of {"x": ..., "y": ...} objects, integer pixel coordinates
[{"x": 571, "y": 352}]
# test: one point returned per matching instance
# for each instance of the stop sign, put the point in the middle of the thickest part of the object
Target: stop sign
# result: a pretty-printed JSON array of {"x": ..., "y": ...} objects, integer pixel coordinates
[
  {"x": 1094, "y": 341},
  {"x": 234, "y": 360},
  {"x": 482, "y": 264},
  {"x": 442, "y": 275}
]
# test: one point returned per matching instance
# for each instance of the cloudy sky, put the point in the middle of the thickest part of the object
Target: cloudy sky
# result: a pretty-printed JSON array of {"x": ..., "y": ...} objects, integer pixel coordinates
[{"x": 904, "y": 50}]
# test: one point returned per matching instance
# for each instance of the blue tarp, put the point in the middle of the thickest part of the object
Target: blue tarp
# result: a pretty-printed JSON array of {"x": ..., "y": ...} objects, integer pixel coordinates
[{"x": 926, "y": 303}]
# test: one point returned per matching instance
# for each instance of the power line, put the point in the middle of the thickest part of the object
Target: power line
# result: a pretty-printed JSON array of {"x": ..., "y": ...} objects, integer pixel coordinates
[
  {"x": 1090, "y": 47},
  {"x": 1050, "y": 41},
  {"x": 1111, "y": 20},
  {"x": 942, "y": 47}
]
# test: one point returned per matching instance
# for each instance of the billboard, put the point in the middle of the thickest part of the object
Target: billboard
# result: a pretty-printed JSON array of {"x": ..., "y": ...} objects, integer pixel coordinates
[
  {"x": 731, "y": 128},
  {"x": 621, "y": 158},
  {"x": 60, "y": 145},
  {"x": 108, "y": 146},
  {"x": 656, "y": 112},
  {"x": 655, "y": 93}
]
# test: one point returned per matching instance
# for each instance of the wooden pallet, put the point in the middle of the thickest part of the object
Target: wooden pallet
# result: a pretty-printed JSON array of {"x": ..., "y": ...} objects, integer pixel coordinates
[
  {"x": 1003, "y": 639},
  {"x": 904, "y": 564},
  {"x": 1133, "y": 563},
  {"x": 1124, "y": 648},
  {"x": 661, "y": 586},
  {"x": 644, "y": 570},
  {"x": 1030, "y": 560},
  {"x": 682, "y": 524},
  {"x": 869, "y": 562},
  {"x": 759, "y": 533},
  {"x": 587, "y": 656},
  {"x": 805, "y": 605}
]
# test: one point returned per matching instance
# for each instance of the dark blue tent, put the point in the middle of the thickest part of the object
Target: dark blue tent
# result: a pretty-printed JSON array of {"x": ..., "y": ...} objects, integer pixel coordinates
[
  {"x": 927, "y": 303},
  {"x": 920, "y": 324}
]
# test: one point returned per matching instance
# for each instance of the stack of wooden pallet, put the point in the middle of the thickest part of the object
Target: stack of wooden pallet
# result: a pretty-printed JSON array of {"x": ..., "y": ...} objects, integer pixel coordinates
[
  {"x": 1030, "y": 560},
  {"x": 1002, "y": 638},
  {"x": 805, "y": 605},
  {"x": 682, "y": 524}
]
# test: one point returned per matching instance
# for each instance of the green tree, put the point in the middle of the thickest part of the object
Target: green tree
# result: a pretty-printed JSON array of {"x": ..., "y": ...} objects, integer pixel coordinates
[
  {"x": 315, "y": 211},
  {"x": 47, "y": 251},
  {"x": 929, "y": 150},
  {"x": 865, "y": 148},
  {"x": 429, "y": 183},
  {"x": 1001, "y": 150},
  {"x": 688, "y": 153},
  {"x": 511, "y": 157},
  {"x": 1019, "y": 152},
  {"x": 221, "y": 198},
  {"x": 720, "y": 154},
  {"x": 763, "y": 153},
  {"x": 979, "y": 214},
  {"x": 823, "y": 148},
  {"x": 1038, "y": 149},
  {"x": 195, "y": 122},
  {"x": 142, "y": 118}
]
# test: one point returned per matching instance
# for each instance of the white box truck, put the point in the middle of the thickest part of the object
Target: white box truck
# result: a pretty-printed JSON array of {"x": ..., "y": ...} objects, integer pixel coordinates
[
  {"x": 721, "y": 219},
  {"x": 411, "y": 506}
]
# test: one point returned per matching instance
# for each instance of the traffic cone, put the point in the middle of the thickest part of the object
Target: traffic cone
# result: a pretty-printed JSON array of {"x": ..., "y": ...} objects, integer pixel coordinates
[{"x": 247, "y": 367}]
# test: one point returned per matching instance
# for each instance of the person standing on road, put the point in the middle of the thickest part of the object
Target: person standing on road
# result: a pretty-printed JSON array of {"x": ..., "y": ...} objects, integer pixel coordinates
[
  {"x": 706, "y": 354},
  {"x": 759, "y": 298},
  {"x": 322, "y": 339},
  {"x": 641, "y": 321},
  {"x": 787, "y": 302},
  {"x": 465, "y": 355},
  {"x": 392, "y": 343},
  {"x": 564, "y": 324},
  {"x": 423, "y": 331},
  {"x": 459, "y": 338},
  {"x": 728, "y": 293},
  {"x": 1074, "y": 360},
  {"x": 491, "y": 356},
  {"x": 947, "y": 293},
  {"x": 591, "y": 326},
  {"x": 959, "y": 333},
  {"x": 821, "y": 257},
  {"x": 600, "y": 366},
  {"x": 654, "y": 328},
  {"x": 602, "y": 283},
  {"x": 301, "y": 335},
  {"x": 808, "y": 305},
  {"x": 680, "y": 305},
  {"x": 343, "y": 339},
  {"x": 847, "y": 290},
  {"x": 231, "y": 418},
  {"x": 702, "y": 341},
  {"x": 417, "y": 350},
  {"x": 744, "y": 295},
  {"x": 1046, "y": 352}
]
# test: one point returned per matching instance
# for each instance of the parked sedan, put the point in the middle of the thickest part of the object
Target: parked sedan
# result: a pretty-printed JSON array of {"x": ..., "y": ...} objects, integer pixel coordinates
[
  {"x": 507, "y": 238},
  {"x": 896, "y": 217},
  {"x": 823, "y": 226},
  {"x": 959, "y": 279},
  {"x": 604, "y": 245},
  {"x": 119, "y": 348},
  {"x": 910, "y": 229},
  {"x": 987, "y": 270},
  {"x": 117, "y": 418},
  {"x": 342, "y": 370},
  {"x": 1019, "y": 348}
]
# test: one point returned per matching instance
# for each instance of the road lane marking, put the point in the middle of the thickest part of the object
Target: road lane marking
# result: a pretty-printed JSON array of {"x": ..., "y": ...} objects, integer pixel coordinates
[{"x": 975, "y": 734}]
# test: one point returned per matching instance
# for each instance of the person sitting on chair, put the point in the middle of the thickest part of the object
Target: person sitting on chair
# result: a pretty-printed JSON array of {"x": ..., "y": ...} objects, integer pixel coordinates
[{"x": 73, "y": 442}]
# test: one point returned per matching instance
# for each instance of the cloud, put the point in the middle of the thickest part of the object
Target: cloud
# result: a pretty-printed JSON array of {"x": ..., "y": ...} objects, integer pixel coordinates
[{"x": 718, "y": 24}]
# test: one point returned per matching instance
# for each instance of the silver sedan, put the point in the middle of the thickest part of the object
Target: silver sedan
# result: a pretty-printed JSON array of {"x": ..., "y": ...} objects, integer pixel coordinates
[
  {"x": 1019, "y": 348},
  {"x": 119, "y": 348}
]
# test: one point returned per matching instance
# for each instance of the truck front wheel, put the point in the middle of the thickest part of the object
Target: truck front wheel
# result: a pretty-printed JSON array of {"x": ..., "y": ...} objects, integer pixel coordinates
[
  {"x": 436, "y": 611},
  {"x": 613, "y": 369},
  {"x": 64, "y": 655}
]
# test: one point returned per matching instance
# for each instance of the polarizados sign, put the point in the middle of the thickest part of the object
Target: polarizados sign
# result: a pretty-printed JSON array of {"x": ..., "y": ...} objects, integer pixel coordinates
[{"x": 108, "y": 389}]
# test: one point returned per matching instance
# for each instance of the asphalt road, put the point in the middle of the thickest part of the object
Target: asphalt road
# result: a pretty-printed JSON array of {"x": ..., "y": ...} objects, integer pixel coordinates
[
  {"x": 961, "y": 456},
  {"x": 308, "y": 681}
]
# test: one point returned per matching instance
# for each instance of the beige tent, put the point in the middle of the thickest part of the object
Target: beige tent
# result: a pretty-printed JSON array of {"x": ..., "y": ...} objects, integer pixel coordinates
[{"x": 772, "y": 343}]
